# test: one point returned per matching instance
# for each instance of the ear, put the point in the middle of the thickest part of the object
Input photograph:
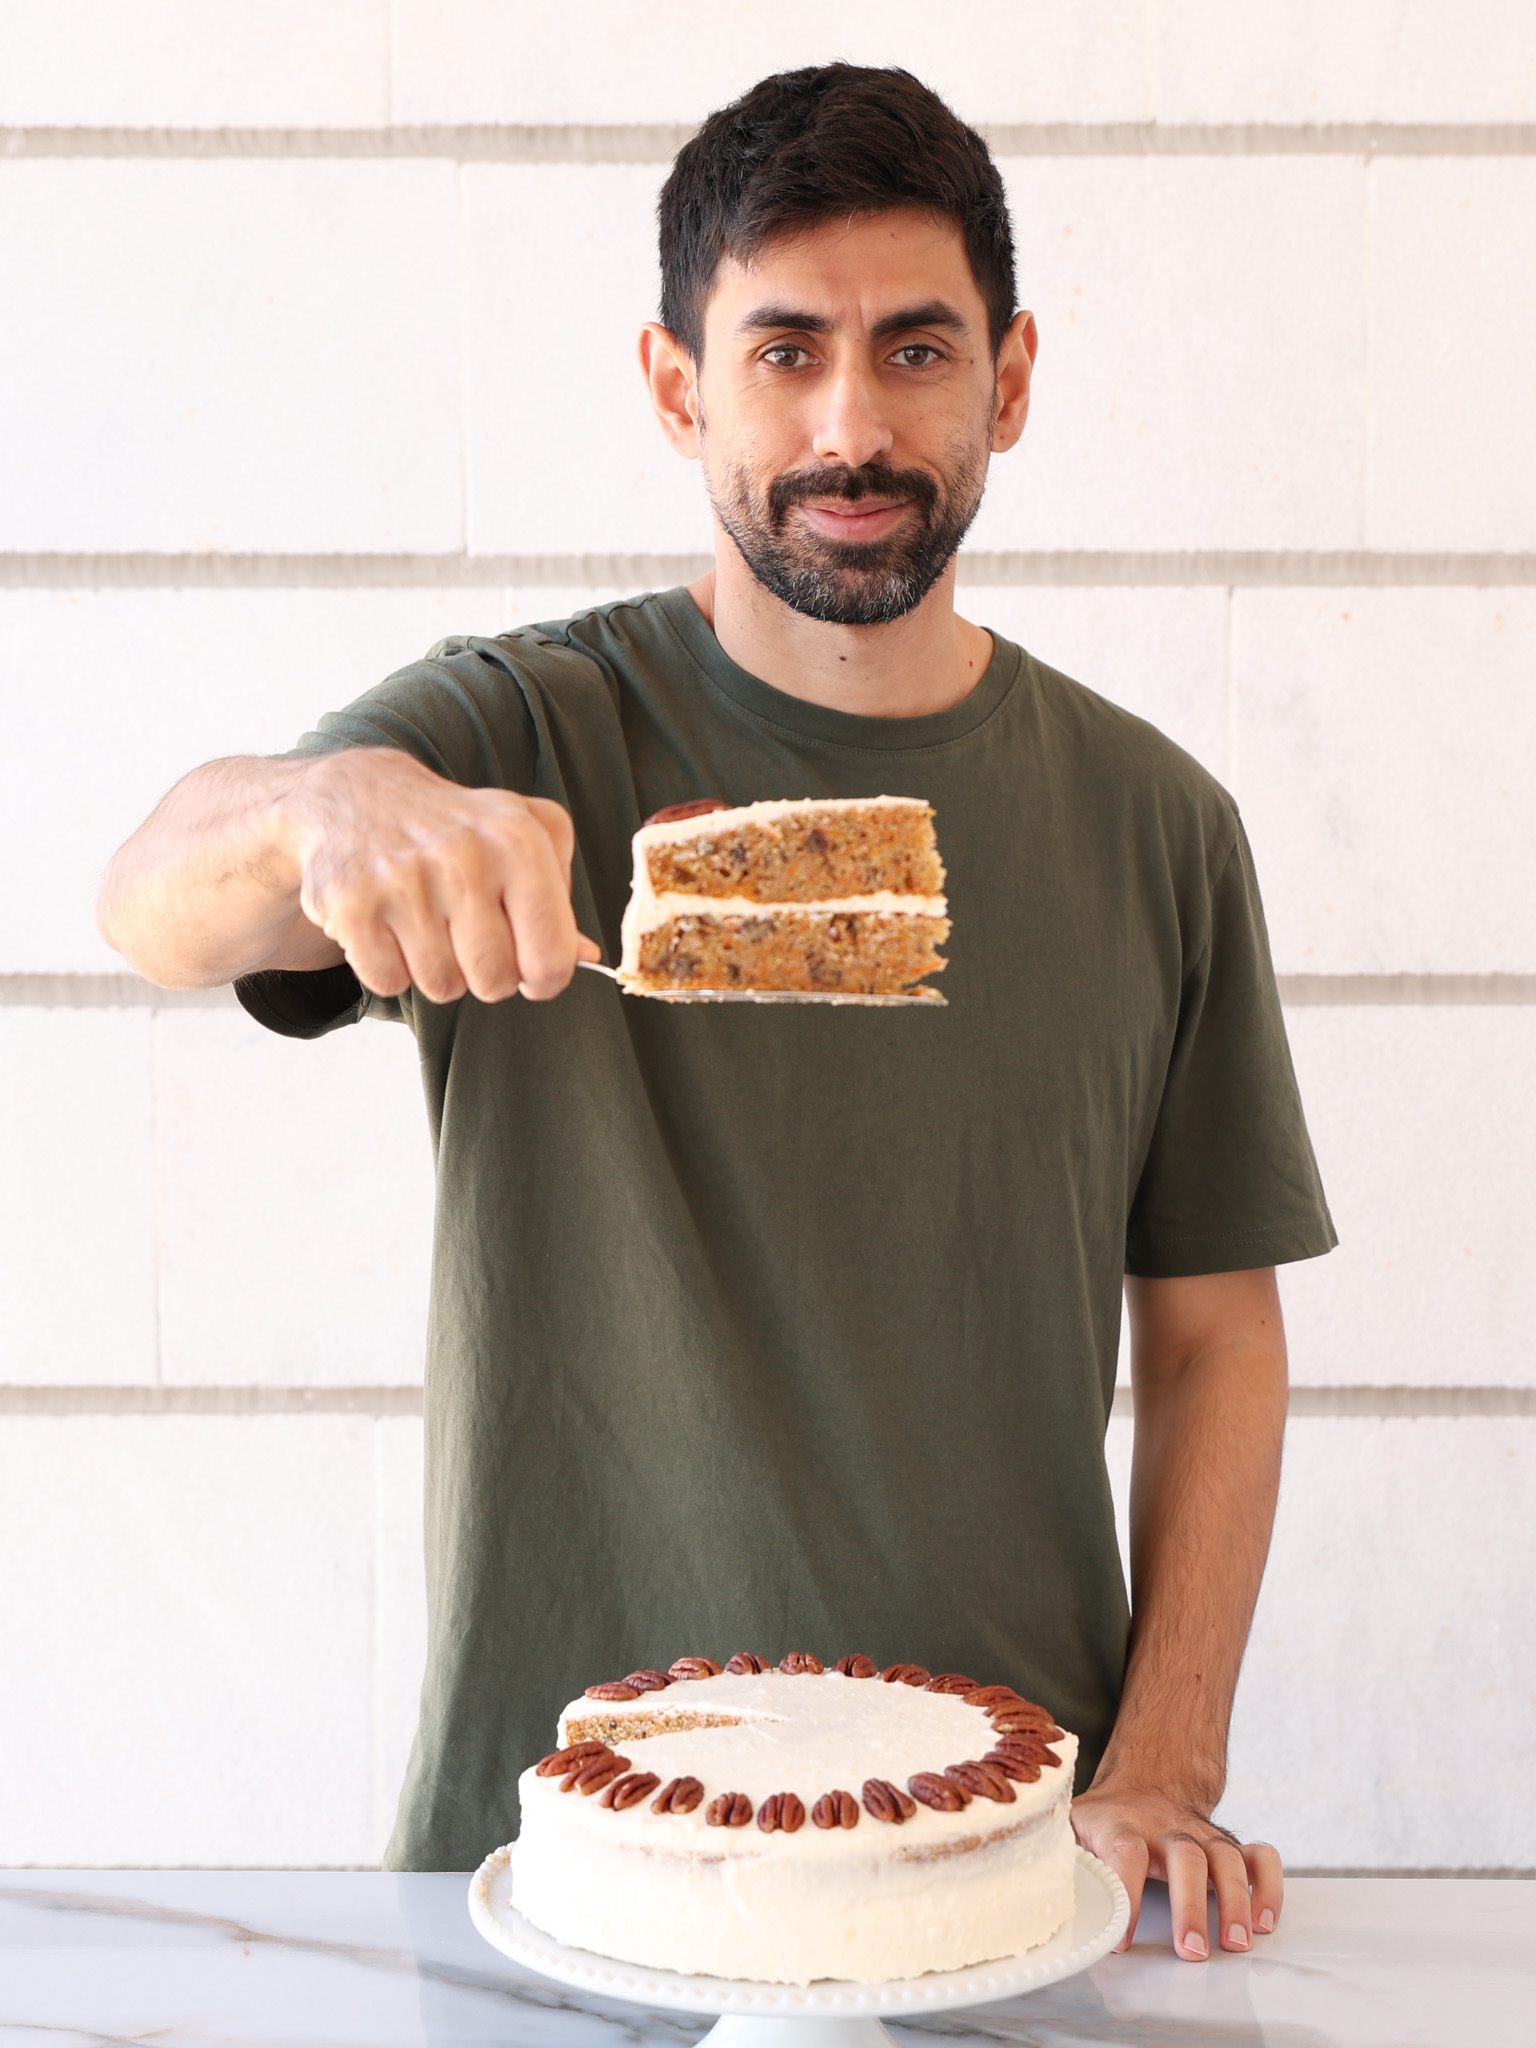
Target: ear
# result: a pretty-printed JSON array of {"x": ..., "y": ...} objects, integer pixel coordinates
[
  {"x": 1015, "y": 363},
  {"x": 669, "y": 372}
]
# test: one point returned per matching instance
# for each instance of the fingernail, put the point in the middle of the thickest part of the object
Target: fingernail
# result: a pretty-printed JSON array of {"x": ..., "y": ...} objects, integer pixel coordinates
[
  {"x": 1237, "y": 1937},
  {"x": 1195, "y": 1945},
  {"x": 1266, "y": 1920}
]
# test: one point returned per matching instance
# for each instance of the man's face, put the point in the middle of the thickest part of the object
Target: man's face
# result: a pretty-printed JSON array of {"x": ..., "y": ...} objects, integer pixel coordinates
[{"x": 846, "y": 409}]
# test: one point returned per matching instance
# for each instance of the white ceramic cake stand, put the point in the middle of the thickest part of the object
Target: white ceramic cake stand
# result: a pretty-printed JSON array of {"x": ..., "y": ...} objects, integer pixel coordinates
[{"x": 823, "y": 2015}]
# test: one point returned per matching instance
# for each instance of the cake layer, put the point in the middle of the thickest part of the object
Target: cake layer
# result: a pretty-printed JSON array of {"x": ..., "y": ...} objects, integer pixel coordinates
[
  {"x": 787, "y": 947},
  {"x": 769, "y": 1833},
  {"x": 796, "y": 851}
]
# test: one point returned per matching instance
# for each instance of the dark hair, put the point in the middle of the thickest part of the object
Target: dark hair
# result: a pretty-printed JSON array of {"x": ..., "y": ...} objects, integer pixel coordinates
[{"x": 819, "y": 144}]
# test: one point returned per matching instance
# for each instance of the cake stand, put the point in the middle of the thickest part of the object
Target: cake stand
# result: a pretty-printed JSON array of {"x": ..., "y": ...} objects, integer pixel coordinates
[{"x": 822, "y": 2015}]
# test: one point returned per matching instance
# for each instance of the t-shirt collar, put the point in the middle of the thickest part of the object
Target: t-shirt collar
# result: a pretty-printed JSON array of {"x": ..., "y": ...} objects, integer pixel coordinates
[{"x": 818, "y": 722}]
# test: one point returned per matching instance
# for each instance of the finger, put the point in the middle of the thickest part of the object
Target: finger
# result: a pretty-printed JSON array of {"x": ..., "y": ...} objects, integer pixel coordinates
[
  {"x": 1267, "y": 1878},
  {"x": 1185, "y": 1868},
  {"x": 556, "y": 820},
  {"x": 374, "y": 957},
  {"x": 417, "y": 901},
  {"x": 477, "y": 924},
  {"x": 538, "y": 904},
  {"x": 1125, "y": 1852},
  {"x": 485, "y": 949},
  {"x": 587, "y": 949},
  {"x": 1234, "y": 1909}
]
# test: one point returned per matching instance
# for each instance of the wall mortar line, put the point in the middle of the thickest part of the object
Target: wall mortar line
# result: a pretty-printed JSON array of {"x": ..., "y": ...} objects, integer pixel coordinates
[
  {"x": 1412, "y": 1403},
  {"x": 658, "y": 142},
  {"x": 1340, "y": 568},
  {"x": 1297, "y": 991}
]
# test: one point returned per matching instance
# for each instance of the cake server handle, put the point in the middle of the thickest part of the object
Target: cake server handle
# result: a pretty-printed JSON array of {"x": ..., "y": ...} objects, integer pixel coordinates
[{"x": 597, "y": 967}]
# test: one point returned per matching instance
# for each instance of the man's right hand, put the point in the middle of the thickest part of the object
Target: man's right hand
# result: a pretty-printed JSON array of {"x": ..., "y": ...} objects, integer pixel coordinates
[
  {"x": 362, "y": 855},
  {"x": 421, "y": 882}
]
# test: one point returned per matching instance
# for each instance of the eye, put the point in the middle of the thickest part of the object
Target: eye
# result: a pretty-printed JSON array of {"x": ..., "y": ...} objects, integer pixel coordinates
[
  {"x": 786, "y": 355},
  {"x": 917, "y": 355}
]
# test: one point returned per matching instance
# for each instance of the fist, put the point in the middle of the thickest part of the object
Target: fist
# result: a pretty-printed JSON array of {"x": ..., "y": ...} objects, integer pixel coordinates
[{"x": 421, "y": 882}]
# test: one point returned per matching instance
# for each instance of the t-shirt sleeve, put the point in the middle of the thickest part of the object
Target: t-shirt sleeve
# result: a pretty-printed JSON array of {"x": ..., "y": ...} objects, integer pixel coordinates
[
  {"x": 461, "y": 714},
  {"x": 1229, "y": 1180}
]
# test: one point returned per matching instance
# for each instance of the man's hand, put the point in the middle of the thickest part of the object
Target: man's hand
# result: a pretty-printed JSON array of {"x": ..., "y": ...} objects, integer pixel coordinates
[
  {"x": 1209, "y": 1378},
  {"x": 421, "y": 882},
  {"x": 1151, "y": 1834},
  {"x": 362, "y": 855}
]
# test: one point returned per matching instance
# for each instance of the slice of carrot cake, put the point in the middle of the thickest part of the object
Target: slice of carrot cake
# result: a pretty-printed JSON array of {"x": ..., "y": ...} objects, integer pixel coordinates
[{"x": 829, "y": 896}]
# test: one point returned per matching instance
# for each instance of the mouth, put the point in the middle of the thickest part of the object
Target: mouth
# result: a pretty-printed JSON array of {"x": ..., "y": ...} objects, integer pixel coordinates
[{"x": 856, "y": 519}]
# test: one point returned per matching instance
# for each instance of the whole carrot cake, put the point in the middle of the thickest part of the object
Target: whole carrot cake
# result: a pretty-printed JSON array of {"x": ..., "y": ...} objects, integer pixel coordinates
[
  {"x": 798, "y": 1823},
  {"x": 840, "y": 897}
]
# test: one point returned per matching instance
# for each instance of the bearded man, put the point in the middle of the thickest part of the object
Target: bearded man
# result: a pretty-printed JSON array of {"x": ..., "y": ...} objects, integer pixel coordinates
[{"x": 796, "y": 1328}]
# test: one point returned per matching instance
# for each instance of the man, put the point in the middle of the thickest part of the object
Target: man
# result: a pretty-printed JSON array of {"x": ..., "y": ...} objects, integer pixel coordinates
[{"x": 783, "y": 1328}]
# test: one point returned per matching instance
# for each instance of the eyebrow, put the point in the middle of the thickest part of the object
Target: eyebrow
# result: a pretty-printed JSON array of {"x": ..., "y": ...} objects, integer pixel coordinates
[{"x": 933, "y": 313}]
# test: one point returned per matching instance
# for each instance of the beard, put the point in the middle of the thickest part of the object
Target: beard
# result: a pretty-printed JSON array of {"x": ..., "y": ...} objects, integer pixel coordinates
[{"x": 851, "y": 583}]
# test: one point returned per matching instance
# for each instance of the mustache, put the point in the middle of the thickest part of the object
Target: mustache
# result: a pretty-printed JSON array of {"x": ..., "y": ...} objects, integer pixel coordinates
[{"x": 841, "y": 480}]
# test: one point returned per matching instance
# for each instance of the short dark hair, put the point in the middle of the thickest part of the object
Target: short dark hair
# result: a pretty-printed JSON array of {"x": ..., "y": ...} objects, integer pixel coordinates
[{"x": 830, "y": 141}]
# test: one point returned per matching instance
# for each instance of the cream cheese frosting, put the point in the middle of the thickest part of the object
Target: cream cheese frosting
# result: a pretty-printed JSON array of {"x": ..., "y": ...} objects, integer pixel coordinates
[{"x": 874, "y": 1901}]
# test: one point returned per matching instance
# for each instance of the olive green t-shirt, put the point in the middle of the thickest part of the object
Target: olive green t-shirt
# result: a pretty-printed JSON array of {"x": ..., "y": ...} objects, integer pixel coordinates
[{"x": 795, "y": 1328}]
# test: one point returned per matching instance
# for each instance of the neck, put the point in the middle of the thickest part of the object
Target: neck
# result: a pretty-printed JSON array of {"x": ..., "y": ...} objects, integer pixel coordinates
[{"x": 923, "y": 663}]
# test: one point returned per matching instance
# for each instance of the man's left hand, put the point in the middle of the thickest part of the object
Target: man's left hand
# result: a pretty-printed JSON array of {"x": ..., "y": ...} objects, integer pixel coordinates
[{"x": 1153, "y": 1834}]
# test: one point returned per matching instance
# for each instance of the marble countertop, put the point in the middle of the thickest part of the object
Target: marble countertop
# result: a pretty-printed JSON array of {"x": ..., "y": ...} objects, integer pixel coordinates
[{"x": 322, "y": 1958}]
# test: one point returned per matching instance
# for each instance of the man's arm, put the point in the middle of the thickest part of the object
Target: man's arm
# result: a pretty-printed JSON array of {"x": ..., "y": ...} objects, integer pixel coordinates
[
  {"x": 362, "y": 855},
  {"x": 1209, "y": 1380}
]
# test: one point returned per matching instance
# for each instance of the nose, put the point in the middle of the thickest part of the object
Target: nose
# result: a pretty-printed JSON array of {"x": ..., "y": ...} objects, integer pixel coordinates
[{"x": 850, "y": 424}]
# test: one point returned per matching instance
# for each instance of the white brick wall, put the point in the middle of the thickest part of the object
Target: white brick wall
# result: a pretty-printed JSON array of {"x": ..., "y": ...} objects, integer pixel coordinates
[{"x": 1250, "y": 352}]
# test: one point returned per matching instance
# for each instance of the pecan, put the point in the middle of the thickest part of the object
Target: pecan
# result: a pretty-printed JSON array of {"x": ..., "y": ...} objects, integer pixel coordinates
[
  {"x": 950, "y": 1681},
  {"x": 694, "y": 1667},
  {"x": 885, "y": 1801},
  {"x": 943, "y": 1794},
  {"x": 678, "y": 1795},
  {"x": 781, "y": 1810},
  {"x": 648, "y": 1681},
  {"x": 745, "y": 1663},
  {"x": 856, "y": 1665},
  {"x": 836, "y": 1810},
  {"x": 1028, "y": 1748},
  {"x": 982, "y": 1781},
  {"x": 594, "y": 1776},
  {"x": 563, "y": 1760},
  {"x": 615, "y": 1689},
  {"x": 904, "y": 1674},
  {"x": 989, "y": 1696},
  {"x": 627, "y": 1790},
  {"x": 1008, "y": 1722},
  {"x": 1019, "y": 1768},
  {"x": 799, "y": 1661},
  {"x": 730, "y": 1810},
  {"x": 697, "y": 809}
]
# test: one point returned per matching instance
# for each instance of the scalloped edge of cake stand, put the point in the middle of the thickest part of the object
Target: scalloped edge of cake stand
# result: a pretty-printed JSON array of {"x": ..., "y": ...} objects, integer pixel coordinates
[{"x": 828, "y": 2014}]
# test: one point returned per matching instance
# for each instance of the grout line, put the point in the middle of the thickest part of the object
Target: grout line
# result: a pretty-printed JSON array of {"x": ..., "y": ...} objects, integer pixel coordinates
[
  {"x": 1424, "y": 991},
  {"x": 1387, "y": 1403},
  {"x": 375, "y": 1402},
  {"x": 381, "y": 1402},
  {"x": 1342, "y": 568},
  {"x": 1297, "y": 992},
  {"x": 1427, "y": 1870},
  {"x": 658, "y": 142},
  {"x": 105, "y": 992}
]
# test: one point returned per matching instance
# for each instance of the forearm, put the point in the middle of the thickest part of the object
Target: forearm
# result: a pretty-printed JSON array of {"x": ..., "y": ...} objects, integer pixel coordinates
[
  {"x": 1210, "y": 1422},
  {"x": 208, "y": 887}
]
